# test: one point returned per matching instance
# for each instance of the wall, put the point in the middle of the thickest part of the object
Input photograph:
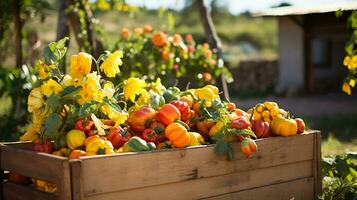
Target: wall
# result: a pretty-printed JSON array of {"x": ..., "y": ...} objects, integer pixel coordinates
[
  {"x": 291, "y": 57},
  {"x": 254, "y": 76}
]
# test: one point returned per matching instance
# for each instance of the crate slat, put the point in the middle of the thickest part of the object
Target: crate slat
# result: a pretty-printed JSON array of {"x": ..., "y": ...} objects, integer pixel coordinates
[
  {"x": 18, "y": 192},
  {"x": 287, "y": 190},
  {"x": 38, "y": 165},
  {"x": 136, "y": 170},
  {"x": 211, "y": 186}
]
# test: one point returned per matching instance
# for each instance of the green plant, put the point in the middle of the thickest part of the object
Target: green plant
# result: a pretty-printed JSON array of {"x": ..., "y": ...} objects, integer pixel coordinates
[
  {"x": 350, "y": 60},
  {"x": 15, "y": 84},
  {"x": 339, "y": 177},
  {"x": 156, "y": 54}
]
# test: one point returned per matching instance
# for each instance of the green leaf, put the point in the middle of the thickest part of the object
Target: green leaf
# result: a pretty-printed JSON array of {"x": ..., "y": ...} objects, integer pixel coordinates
[
  {"x": 243, "y": 132},
  {"x": 53, "y": 102},
  {"x": 70, "y": 91},
  {"x": 88, "y": 108},
  {"x": 349, "y": 47},
  {"x": 52, "y": 125},
  {"x": 55, "y": 51},
  {"x": 339, "y": 13},
  {"x": 221, "y": 147}
]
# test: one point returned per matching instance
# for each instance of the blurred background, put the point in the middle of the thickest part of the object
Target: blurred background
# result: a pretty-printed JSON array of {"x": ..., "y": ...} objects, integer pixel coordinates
[{"x": 290, "y": 52}]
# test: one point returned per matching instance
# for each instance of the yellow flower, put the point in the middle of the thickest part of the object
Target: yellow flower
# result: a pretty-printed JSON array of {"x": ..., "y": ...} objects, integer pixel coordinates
[
  {"x": 91, "y": 89},
  {"x": 157, "y": 87},
  {"x": 353, "y": 63},
  {"x": 108, "y": 89},
  {"x": 205, "y": 93},
  {"x": 51, "y": 87},
  {"x": 103, "y": 5},
  {"x": 80, "y": 65},
  {"x": 117, "y": 116},
  {"x": 346, "y": 88},
  {"x": 352, "y": 83},
  {"x": 44, "y": 70},
  {"x": 34, "y": 100},
  {"x": 144, "y": 98},
  {"x": 347, "y": 61},
  {"x": 37, "y": 121},
  {"x": 133, "y": 87},
  {"x": 111, "y": 64}
]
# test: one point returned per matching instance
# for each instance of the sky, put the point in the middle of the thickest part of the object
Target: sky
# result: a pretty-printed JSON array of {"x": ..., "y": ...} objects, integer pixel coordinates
[{"x": 235, "y": 6}]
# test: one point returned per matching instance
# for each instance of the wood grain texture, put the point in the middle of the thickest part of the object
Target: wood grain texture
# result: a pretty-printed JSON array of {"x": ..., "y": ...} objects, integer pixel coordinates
[
  {"x": 317, "y": 165},
  {"x": 77, "y": 179},
  {"x": 38, "y": 165},
  {"x": 300, "y": 189},
  {"x": 156, "y": 168},
  {"x": 18, "y": 192},
  {"x": 212, "y": 186}
]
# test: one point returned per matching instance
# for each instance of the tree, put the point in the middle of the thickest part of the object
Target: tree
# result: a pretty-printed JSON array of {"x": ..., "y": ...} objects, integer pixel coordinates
[{"x": 212, "y": 38}]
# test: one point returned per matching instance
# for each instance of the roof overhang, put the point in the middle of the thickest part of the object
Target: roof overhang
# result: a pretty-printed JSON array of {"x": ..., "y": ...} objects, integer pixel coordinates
[{"x": 294, "y": 10}]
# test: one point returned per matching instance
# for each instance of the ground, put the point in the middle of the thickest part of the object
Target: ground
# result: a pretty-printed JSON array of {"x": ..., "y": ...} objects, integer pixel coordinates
[{"x": 334, "y": 114}]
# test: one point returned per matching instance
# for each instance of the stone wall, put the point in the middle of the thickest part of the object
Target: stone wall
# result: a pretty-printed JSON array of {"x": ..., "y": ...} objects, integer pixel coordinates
[{"x": 258, "y": 76}]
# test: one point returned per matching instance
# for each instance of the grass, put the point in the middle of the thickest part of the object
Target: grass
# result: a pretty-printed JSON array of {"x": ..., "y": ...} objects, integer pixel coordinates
[{"x": 339, "y": 133}]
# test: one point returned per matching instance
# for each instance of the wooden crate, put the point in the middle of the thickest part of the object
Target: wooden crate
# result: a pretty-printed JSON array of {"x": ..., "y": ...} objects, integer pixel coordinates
[{"x": 283, "y": 168}]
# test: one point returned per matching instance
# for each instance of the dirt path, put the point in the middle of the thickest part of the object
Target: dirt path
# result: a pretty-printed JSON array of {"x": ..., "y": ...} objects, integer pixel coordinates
[{"x": 331, "y": 104}]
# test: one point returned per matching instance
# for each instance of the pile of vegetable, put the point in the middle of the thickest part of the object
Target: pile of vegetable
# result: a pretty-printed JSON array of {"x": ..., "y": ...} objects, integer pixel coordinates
[{"x": 84, "y": 114}]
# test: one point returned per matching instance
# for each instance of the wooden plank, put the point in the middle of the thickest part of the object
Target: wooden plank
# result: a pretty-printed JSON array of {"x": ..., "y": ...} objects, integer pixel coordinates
[
  {"x": 300, "y": 189},
  {"x": 155, "y": 168},
  {"x": 14, "y": 191},
  {"x": 212, "y": 186},
  {"x": 38, "y": 165},
  {"x": 77, "y": 179},
  {"x": 317, "y": 165}
]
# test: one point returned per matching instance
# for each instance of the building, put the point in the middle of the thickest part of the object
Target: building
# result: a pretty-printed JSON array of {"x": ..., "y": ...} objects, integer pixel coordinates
[{"x": 311, "y": 46}]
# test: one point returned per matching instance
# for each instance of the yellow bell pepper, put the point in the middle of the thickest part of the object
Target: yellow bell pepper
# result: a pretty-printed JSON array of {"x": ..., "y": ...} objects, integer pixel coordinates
[
  {"x": 216, "y": 128},
  {"x": 45, "y": 186},
  {"x": 98, "y": 146},
  {"x": 283, "y": 126},
  {"x": 196, "y": 139},
  {"x": 75, "y": 138}
]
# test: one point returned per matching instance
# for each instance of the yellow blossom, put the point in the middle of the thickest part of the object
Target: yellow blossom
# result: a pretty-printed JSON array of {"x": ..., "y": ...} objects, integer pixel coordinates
[
  {"x": 103, "y": 5},
  {"x": 205, "y": 93},
  {"x": 91, "y": 89},
  {"x": 51, "y": 87},
  {"x": 44, "y": 71},
  {"x": 34, "y": 100},
  {"x": 353, "y": 64},
  {"x": 80, "y": 65},
  {"x": 111, "y": 64},
  {"x": 117, "y": 116},
  {"x": 346, "y": 88},
  {"x": 144, "y": 98},
  {"x": 133, "y": 87},
  {"x": 37, "y": 121},
  {"x": 108, "y": 89},
  {"x": 157, "y": 87},
  {"x": 352, "y": 83},
  {"x": 347, "y": 61}
]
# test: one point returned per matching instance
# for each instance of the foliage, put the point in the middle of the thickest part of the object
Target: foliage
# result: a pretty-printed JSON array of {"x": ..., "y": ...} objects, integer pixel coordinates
[
  {"x": 339, "y": 177},
  {"x": 350, "y": 60},
  {"x": 58, "y": 99},
  {"x": 158, "y": 54},
  {"x": 16, "y": 85}
]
